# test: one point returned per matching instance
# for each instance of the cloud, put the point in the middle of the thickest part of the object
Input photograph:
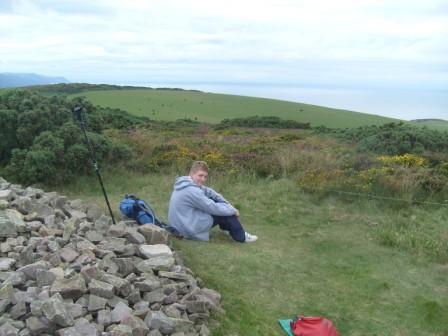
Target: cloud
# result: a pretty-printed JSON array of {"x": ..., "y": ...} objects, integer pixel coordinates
[{"x": 348, "y": 43}]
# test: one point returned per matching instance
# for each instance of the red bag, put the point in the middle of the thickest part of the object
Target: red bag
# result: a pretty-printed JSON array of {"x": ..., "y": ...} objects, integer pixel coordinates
[{"x": 313, "y": 326}]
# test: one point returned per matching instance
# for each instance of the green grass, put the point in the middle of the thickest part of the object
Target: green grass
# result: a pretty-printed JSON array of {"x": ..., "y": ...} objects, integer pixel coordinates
[
  {"x": 314, "y": 256},
  {"x": 439, "y": 125},
  {"x": 209, "y": 107}
]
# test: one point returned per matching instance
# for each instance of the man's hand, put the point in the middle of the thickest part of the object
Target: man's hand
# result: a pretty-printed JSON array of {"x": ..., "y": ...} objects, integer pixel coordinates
[{"x": 237, "y": 213}]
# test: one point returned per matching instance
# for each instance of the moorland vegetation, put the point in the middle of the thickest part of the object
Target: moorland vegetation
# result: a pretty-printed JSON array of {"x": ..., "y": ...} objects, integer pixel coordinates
[{"x": 42, "y": 143}]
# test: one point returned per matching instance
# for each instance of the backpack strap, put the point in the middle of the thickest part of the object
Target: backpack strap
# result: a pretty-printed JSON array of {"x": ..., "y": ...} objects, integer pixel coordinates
[{"x": 142, "y": 205}]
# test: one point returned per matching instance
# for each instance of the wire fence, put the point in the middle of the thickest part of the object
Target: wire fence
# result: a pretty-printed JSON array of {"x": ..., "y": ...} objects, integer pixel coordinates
[{"x": 374, "y": 196}]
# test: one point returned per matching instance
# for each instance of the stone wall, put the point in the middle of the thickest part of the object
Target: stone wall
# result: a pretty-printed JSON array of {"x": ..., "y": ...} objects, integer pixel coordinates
[{"x": 66, "y": 270}]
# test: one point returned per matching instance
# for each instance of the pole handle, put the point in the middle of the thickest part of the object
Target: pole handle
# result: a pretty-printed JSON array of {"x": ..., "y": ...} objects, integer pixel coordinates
[{"x": 77, "y": 111}]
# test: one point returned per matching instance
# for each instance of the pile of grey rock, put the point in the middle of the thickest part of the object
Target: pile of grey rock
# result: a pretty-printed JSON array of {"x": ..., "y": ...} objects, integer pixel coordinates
[{"x": 66, "y": 270}]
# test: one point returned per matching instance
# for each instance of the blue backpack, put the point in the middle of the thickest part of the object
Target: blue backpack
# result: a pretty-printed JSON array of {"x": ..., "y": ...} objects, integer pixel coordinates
[{"x": 140, "y": 211}]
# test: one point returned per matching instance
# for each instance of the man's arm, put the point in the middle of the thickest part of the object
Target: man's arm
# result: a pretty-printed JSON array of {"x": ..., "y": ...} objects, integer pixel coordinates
[
  {"x": 201, "y": 201},
  {"x": 217, "y": 197}
]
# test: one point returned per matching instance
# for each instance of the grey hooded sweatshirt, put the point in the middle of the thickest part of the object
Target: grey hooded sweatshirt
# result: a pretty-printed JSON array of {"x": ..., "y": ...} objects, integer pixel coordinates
[{"x": 191, "y": 208}]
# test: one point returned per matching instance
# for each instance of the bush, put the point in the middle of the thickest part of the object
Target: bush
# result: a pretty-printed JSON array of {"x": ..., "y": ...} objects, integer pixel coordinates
[
  {"x": 119, "y": 119},
  {"x": 393, "y": 138},
  {"x": 42, "y": 143},
  {"x": 171, "y": 155},
  {"x": 8, "y": 134},
  {"x": 262, "y": 122},
  {"x": 405, "y": 160},
  {"x": 77, "y": 160}
]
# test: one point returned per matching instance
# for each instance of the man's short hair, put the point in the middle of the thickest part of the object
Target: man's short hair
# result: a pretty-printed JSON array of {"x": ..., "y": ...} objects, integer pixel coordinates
[{"x": 198, "y": 165}]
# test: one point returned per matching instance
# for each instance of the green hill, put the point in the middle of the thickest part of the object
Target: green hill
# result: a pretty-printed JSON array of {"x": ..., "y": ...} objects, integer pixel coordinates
[
  {"x": 436, "y": 124},
  {"x": 172, "y": 104}
]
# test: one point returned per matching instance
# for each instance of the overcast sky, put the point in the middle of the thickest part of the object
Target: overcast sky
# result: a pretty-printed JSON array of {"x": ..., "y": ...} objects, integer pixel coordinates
[{"x": 373, "y": 45}]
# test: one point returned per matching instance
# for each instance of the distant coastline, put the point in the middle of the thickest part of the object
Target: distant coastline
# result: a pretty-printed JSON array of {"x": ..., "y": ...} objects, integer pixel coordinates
[{"x": 12, "y": 79}]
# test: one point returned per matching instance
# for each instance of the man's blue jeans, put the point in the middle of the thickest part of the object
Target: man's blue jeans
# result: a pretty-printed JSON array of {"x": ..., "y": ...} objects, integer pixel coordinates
[{"x": 231, "y": 224}]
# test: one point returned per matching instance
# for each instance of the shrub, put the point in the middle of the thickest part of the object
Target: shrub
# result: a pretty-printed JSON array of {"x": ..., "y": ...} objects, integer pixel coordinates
[
  {"x": 77, "y": 160},
  {"x": 262, "y": 122},
  {"x": 442, "y": 169},
  {"x": 392, "y": 138},
  {"x": 119, "y": 152},
  {"x": 214, "y": 158},
  {"x": 8, "y": 134},
  {"x": 119, "y": 119},
  {"x": 171, "y": 155},
  {"x": 320, "y": 180},
  {"x": 406, "y": 160},
  {"x": 290, "y": 137},
  {"x": 42, "y": 143}
]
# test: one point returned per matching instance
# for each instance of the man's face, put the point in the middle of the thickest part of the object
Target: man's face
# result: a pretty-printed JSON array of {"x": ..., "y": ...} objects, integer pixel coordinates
[{"x": 199, "y": 177}]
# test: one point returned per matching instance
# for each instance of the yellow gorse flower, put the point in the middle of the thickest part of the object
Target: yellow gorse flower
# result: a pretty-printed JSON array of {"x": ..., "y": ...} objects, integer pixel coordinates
[
  {"x": 406, "y": 160},
  {"x": 214, "y": 158}
]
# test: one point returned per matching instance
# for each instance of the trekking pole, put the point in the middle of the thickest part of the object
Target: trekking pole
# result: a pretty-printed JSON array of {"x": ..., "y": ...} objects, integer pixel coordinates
[{"x": 77, "y": 111}]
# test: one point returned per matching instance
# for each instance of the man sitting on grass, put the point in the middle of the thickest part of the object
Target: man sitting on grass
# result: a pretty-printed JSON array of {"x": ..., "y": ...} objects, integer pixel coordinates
[{"x": 194, "y": 208}]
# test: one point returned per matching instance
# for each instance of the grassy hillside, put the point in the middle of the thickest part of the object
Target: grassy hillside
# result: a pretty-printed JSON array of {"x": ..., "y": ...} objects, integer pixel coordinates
[
  {"x": 314, "y": 256},
  {"x": 373, "y": 267},
  {"x": 436, "y": 124},
  {"x": 212, "y": 108}
]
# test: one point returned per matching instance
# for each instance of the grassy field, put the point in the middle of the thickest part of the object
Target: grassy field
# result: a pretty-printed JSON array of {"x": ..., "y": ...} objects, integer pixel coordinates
[
  {"x": 314, "y": 256},
  {"x": 440, "y": 125},
  {"x": 212, "y": 108}
]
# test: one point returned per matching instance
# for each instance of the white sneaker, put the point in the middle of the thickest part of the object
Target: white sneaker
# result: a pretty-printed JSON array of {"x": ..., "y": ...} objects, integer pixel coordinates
[{"x": 250, "y": 238}]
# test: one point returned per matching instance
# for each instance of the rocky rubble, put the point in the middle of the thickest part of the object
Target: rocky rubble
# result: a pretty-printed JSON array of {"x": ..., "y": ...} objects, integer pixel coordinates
[{"x": 66, "y": 270}]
